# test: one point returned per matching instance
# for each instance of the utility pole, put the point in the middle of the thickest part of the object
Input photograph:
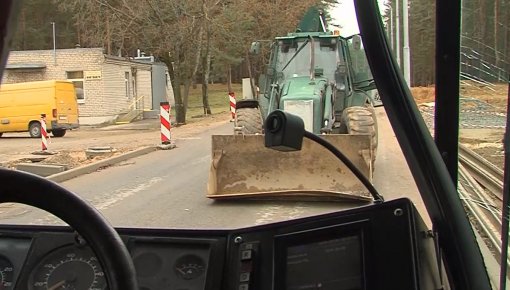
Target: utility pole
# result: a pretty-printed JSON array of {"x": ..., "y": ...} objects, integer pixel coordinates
[
  {"x": 54, "y": 45},
  {"x": 392, "y": 41},
  {"x": 407, "y": 53},
  {"x": 397, "y": 33}
]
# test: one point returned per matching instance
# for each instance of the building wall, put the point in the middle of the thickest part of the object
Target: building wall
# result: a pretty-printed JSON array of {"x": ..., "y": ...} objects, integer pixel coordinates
[
  {"x": 116, "y": 98},
  {"x": 119, "y": 93},
  {"x": 161, "y": 85},
  {"x": 144, "y": 88},
  {"x": 104, "y": 84},
  {"x": 67, "y": 60}
]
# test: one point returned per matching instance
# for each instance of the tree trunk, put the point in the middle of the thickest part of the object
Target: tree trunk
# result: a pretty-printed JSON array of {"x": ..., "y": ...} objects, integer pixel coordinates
[
  {"x": 108, "y": 36},
  {"x": 185, "y": 98},
  {"x": 180, "y": 113},
  {"x": 229, "y": 79},
  {"x": 507, "y": 37},
  {"x": 496, "y": 18},
  {"x": 229, "y": 84},
  {"x": 23, "y": 29},
  {"x": 78, "y": 29},
  {"x": 197, "y": 57},
  {"x": 205, "y": 84},
  {"x": 206, "y": 67}
]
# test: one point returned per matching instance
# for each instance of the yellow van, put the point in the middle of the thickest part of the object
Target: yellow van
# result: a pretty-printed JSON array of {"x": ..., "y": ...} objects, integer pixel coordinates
[{"x": 22, "y": 104}]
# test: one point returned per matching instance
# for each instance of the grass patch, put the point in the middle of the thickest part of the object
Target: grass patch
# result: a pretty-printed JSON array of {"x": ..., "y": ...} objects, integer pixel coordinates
[{"x": 218, "y": 100}]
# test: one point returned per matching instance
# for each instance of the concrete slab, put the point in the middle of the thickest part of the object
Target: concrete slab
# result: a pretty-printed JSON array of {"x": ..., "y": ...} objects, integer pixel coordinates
[
  {"x": 41, "y": 169},
  {"x": 44, "y": 152},
  {"x": 75, "y": 172},
  {"x": 92, "y": 152},
  {"x": 147, "y": 124}
]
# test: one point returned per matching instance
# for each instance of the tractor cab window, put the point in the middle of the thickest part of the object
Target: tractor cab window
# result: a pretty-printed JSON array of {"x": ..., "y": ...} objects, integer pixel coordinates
[
  {"x": 359, "y": 62},
  {"x": 295, "y": 60}
]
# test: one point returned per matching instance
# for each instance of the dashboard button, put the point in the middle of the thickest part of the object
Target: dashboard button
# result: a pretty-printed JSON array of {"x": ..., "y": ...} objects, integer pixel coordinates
[
  {"x": 245, "y": 277},
  {"x": 246, "y": 255}
]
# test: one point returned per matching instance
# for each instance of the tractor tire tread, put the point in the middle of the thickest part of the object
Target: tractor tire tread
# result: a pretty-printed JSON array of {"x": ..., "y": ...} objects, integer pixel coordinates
[
  {"x": 362, "y": 120},
  {"x": 249, "y": 120}
]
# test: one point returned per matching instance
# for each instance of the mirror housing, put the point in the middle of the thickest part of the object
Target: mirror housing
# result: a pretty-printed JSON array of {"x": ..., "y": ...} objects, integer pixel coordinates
[
  {"x": 284, "y": 131},
  {"x": 255, "y": 47}
]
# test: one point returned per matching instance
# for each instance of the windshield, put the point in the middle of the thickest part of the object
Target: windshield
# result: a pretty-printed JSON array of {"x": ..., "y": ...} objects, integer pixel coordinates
[
  {"x": 359, "y": 62},
  {"x": 118, "y": 102},
  {"x": 294, "y": 62}
]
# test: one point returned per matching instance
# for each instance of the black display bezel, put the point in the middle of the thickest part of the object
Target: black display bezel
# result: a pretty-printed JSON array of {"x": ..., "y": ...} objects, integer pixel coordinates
[{"x": 284, "y": 242}]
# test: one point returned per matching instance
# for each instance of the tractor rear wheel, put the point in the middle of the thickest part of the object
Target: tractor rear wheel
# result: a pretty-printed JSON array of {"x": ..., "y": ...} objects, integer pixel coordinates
[
  {"x": 361, "y": 120},
  {"x": 248, "y": 121}
]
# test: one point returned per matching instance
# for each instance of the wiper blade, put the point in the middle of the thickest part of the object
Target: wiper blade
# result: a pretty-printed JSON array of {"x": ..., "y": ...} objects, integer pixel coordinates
[
  {"x": 364, "y": 84},
  {"x": 296, "y": 53}
]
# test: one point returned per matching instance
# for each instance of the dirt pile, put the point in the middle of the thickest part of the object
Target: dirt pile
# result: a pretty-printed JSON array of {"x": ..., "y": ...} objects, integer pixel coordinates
[{"x": 424, "y": 94}]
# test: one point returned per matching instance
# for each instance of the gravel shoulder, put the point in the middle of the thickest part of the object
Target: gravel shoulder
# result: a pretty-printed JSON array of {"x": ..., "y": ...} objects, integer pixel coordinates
[
  {"x": 482, "y": 117},
  {"x": 70, "y": 150}
]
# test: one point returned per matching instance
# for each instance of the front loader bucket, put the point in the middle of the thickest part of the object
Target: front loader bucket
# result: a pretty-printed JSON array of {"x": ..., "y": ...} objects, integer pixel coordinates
[{"x": 242, "y": 167}]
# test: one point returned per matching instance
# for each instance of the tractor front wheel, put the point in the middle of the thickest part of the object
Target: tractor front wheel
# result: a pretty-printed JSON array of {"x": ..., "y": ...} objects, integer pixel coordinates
[
  {"x": 248, "y": 121},
  {"x": 361, "y": 120}
]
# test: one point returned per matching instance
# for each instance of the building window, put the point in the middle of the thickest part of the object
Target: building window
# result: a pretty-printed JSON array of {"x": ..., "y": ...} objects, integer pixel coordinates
[
  {"x": 76, "y": 77},
  {"x": 126, "y": 83}
]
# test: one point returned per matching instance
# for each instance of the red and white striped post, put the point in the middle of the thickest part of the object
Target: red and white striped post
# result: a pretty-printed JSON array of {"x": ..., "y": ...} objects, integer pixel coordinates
[
  {"x": 165, "y": 123},
  {"x": 44, "y": 133},
  {"x": 232, "y": 97}
]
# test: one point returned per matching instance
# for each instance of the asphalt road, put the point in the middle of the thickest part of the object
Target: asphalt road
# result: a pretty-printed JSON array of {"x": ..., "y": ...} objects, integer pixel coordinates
[{"x": 166, "y": 189}]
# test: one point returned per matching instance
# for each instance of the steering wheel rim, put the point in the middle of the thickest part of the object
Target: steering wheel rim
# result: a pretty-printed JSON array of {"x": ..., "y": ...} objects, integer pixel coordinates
[{"x": 29, "y": 189}]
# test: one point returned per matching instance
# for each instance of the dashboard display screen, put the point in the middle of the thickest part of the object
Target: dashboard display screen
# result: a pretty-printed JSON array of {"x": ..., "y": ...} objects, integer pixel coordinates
[{"x": 333, "y": 264}]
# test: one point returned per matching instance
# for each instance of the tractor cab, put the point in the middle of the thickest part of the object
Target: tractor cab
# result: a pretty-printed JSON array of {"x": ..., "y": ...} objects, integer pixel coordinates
[{"x": 319, "y": 72}]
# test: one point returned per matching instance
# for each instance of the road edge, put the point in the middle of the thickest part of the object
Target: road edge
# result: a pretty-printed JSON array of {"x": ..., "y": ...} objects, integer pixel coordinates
[{"x": 89, "y": 168}]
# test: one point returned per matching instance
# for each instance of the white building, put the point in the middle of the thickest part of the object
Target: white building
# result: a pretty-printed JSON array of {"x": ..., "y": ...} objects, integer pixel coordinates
[{"x": 109, "y": 88}]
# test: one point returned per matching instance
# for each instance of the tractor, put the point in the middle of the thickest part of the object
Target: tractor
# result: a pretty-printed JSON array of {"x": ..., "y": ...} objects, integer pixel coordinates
[{"x": 324, "y": 79}]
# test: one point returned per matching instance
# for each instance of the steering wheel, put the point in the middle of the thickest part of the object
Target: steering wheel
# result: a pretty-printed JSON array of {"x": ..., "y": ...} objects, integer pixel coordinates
[{"x": 29, "y": 189}]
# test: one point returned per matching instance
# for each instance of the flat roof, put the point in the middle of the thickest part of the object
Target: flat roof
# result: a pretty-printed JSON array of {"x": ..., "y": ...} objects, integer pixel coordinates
[{"x": 25, "y": 66}]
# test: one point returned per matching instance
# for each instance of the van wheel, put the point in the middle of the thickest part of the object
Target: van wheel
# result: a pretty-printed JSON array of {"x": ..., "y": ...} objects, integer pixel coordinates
[
  {"x": 35, "y": 130},
  {"x": 58, "y": 132}
]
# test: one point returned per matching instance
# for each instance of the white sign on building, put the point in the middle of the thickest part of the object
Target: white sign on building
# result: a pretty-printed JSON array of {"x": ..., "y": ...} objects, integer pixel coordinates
[{"x": 92, "y": 75}]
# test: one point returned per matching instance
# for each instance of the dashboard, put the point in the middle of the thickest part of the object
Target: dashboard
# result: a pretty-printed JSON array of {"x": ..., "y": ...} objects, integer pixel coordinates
[{"x": 380, "y": 246}]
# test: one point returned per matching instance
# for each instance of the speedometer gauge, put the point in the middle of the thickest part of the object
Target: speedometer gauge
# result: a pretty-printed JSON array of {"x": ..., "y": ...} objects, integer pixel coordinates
[
  {"x": 189, "y": 267},
  {"x": 68, "y": 268},
  {"x": 6, "y": 273}
]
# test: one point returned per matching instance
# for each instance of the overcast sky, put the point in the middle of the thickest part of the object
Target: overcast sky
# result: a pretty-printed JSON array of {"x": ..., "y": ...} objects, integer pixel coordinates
[{"x": 345, "y": 15}]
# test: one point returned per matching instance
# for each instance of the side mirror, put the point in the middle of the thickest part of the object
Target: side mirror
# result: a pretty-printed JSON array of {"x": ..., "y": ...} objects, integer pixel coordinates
[
  {"x": 356, "y": 42},
  {"x": 255, "y": 47}
]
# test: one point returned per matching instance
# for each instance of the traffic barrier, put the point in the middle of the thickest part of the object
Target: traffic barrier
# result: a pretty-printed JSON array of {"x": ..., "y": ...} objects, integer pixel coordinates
[
  {"x": 232, "y": 97},
  {"x": 165, "y": 123},
  {"x": 44, "y": 133}
]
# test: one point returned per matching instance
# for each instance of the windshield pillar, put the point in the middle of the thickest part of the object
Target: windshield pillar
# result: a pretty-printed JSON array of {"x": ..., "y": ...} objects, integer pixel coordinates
[{"x": 446, "y": 135}]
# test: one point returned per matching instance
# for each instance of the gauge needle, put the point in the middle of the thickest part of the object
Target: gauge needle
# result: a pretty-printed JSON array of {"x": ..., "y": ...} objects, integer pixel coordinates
[
  {"x": 182, "y": 272},
  {"x": 57, "y": 285}
]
